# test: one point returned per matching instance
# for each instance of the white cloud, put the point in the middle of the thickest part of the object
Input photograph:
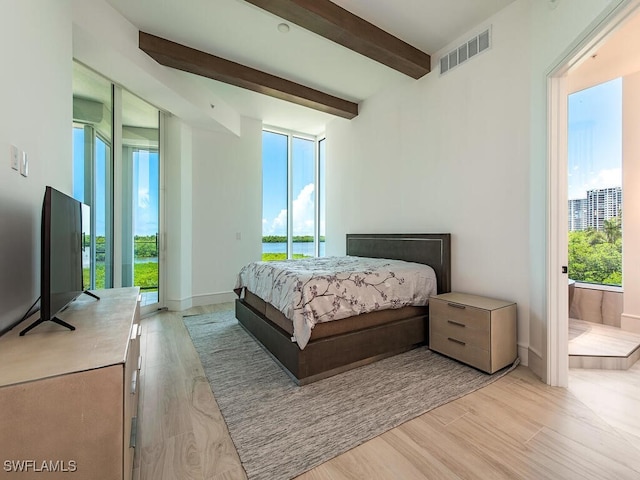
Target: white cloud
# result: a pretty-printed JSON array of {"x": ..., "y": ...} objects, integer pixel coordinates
[
  {"x": 303, "y": 216},
  {"x": 608, "y": 178},
  {"x": 144, "y": 198},
  {"x": 279, "y": 224}
]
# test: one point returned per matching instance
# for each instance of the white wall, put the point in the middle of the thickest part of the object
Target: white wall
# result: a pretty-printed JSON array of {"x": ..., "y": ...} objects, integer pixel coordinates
[
  {"x": 630, "y": 319},
  {"x": 227, "y": 209},
  {"x": 178, "y": 177},
  {"x": 464, "y": 153},
  {"x": 35, "y": 94}
]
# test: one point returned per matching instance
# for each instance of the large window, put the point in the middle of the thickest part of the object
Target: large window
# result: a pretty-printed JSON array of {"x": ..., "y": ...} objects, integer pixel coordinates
[
  {"x": 93, "y": 169},
  {"x": 292, "y": 195},
  {"x": 116, "y": 167},
  {"x": 595, "y": 179}
]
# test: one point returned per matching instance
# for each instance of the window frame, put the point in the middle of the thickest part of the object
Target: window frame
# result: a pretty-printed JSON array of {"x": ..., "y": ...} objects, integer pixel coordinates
[{"x": 291, "y": 134}]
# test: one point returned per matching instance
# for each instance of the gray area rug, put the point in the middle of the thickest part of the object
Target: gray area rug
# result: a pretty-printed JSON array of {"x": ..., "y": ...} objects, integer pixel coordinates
[{"x": 282, "y": 430}]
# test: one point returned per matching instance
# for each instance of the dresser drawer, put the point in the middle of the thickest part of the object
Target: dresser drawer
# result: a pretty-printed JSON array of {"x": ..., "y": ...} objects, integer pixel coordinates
[
  {"x": 464, "y": 352},
  {"x": 468, "y": 317}
]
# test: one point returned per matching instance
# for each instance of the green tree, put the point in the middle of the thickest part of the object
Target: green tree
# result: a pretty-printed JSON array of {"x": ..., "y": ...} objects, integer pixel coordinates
[
  {"x": 145, "y": 246},
  {"x": 594, "y": 259},
  {"x": 595, "y": 237},
  {"x": 612, "y": 229}
]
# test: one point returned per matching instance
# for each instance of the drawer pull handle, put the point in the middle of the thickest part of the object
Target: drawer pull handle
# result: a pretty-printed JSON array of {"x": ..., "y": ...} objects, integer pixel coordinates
[
  {"x": 456, "y": 305},
  {"x": 459, "y": 342},
  {"x": 457, "y": 324},
  {"x": 134, "y": 382}
]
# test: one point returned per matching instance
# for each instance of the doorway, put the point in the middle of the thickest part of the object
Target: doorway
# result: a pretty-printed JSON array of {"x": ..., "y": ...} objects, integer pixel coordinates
[{"x": 613, "y": 25}]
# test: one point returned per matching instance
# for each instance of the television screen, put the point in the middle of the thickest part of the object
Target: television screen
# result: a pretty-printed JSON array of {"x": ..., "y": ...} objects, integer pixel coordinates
[
  {"x": 61, "y": 255},
  {"x": 87, "y": 255}
]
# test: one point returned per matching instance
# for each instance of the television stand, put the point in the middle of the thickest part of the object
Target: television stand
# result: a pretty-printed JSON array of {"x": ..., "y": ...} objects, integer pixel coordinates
[
  {"x": 40, "y": 320},
  {"x": 55, "y": 319}
]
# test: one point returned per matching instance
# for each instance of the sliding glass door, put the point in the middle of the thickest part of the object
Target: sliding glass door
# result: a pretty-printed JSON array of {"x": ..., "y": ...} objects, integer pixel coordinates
[{"x": 141, "y": 199}]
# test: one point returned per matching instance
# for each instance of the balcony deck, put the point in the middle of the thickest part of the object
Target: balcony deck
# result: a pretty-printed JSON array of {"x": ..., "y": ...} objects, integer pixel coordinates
[{"x": 597, "y": 346}]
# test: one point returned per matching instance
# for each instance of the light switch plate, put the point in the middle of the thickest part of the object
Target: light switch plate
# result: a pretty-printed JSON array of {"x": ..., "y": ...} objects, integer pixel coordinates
[
  {"x": 24, "y": 165},
  {"x": 13, "y": 156}
]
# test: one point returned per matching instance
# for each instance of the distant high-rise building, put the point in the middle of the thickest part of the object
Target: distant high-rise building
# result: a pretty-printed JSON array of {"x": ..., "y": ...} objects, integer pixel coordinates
[
  {"x": 600, "y": 205},
  {"x": 578, "y": 214},
  {"x": 603, "y": 204}
]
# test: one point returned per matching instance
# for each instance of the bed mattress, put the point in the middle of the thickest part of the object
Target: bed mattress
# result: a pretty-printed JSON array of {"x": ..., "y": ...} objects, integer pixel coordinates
[{"x": 305, "y": 297}]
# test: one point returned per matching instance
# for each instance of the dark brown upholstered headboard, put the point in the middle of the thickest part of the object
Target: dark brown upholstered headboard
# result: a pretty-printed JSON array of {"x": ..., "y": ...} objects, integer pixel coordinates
[{"x": 433, "y": 249}]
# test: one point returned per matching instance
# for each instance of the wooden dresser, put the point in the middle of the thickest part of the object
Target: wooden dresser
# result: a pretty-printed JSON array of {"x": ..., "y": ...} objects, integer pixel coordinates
[
  {"x": 478, "y": 331},
  {"x": 69, "y": 399}
]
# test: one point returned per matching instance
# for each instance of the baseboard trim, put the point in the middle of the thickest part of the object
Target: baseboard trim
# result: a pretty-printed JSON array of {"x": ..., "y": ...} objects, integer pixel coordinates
[
  {"x": 200, "y": 300},
  {"x": 536, "y": 364},
  {"x": 179, "y": 305},
  {"x": 212, "y": 299},
  {"x": 630, "y": 323},
  {"x": 523, "y": 355}
]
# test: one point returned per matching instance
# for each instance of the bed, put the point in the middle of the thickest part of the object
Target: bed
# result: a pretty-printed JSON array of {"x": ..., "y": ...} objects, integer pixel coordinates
[{"x": 343, "y": 344}]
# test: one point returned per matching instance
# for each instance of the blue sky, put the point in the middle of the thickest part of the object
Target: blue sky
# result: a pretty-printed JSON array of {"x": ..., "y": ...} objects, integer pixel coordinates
[
  {"x": 146, "y": 181},
  {"x": 595, "y": 138},
  {"x": 274, "y": 180}
]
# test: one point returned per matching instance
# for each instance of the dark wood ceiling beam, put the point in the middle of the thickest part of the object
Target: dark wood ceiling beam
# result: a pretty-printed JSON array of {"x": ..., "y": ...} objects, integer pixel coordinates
[
  {"x": 194, "y": 61},
  {"x": 331, "y": 21}
]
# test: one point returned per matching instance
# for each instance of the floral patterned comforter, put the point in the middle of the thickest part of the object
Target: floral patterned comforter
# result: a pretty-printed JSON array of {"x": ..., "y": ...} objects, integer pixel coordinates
[{"x": 314, "y": 290}]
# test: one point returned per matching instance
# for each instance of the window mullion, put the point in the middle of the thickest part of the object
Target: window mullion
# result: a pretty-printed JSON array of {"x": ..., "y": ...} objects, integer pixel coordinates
[
  {"x": 289, "y": 196},
  {"x": 117, "y": 186},
  {"x": 316, "y": 200}
]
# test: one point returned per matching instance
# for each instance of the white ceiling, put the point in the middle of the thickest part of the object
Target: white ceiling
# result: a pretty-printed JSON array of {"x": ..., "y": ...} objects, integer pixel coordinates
[
  {"x": 615, "y": 57},
  {"x": 241, "y": 32}
]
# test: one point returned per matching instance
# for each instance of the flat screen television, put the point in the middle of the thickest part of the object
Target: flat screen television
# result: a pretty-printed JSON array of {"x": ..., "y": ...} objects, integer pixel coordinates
[{"x": 62, "y": 240}]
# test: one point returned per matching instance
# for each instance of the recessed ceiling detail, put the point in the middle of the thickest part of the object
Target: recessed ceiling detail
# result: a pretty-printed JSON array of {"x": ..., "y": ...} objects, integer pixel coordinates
[
  {"x": 333, "y": 22},
  {"x": 194, "y": 61}
]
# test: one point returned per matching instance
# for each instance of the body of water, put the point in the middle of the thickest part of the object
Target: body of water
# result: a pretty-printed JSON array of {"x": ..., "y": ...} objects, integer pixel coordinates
[
  {"x": 146, "y": 260},
  {"x": 305, "y": 248}
]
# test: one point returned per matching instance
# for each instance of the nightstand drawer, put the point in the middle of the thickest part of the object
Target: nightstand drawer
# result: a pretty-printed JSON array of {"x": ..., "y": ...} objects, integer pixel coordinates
[
  {"x": 457, "y": 330},
  {"x": 468, "y": 317},
  {"x": 464, "y": 352}
]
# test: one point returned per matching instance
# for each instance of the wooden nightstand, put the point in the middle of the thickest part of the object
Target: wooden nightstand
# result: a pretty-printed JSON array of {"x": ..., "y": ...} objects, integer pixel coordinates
[{"x": 478, "y": 331}]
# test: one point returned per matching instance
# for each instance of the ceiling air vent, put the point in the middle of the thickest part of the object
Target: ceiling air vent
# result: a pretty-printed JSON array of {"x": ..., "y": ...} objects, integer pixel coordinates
[{"x": 464, "y": 52}]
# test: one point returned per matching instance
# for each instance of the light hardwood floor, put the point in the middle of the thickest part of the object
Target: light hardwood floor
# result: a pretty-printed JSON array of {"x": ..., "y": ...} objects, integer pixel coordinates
[{"x": 516, "y": 427}]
